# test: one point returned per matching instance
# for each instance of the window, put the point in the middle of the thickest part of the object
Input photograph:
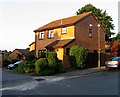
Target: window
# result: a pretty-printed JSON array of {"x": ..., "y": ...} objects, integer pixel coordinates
[
  {"x": 51, "y": 34},
  {"x": 67, "y": 51},
  {"x": 41, "y": 35},
  {"x": 64, "y": 31},
  {"x": 42, "y": 53},
  {"x": 90, "y": 32}
]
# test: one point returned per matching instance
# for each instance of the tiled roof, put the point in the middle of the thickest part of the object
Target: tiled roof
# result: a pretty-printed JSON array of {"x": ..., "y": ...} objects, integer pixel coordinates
[
  {"x": 63, "y": 22},
  {"x": 31, "y": 43},
  {"x": 59, "y": 43},
  {"x": 23, "y": 51}
]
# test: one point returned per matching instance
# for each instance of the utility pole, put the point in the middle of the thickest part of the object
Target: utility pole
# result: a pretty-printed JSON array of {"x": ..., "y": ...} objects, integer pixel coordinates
[{"x": 99, "y": 46}]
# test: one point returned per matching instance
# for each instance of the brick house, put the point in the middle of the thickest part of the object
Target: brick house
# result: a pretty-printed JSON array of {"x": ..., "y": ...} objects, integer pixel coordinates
[
  {"x": 60, "y": 35},
  {"x": 19, "y": 54}
]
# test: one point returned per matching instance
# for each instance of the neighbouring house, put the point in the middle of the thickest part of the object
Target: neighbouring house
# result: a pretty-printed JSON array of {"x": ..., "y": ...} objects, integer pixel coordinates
[
  {"x": 19, "y": 54},
  {"x": 60, "y": 35},
  {"x": 32, "y": 46}
]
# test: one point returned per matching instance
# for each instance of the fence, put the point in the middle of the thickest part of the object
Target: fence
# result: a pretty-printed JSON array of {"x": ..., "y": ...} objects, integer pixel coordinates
[{"x": 92, "y": 59}]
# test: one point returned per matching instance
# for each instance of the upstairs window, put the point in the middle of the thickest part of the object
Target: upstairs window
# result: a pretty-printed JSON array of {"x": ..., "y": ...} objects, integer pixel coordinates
[
  {"x": 64, "y": 31},
  {"x": 51, "y": 34},
  {"x": 41, "y": 35},
  {"x": 90, "y": 30}
]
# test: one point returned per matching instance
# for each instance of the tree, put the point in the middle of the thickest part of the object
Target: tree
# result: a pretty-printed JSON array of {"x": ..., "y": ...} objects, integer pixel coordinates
[
  {"x": 103, "y": 17},
  {"x": 117, "y": 38},
  {"x": 116, "y": 47}
]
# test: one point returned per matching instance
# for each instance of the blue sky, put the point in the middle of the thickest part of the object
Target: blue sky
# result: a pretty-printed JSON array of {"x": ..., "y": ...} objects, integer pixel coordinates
[{"x": 19, "y": 18}]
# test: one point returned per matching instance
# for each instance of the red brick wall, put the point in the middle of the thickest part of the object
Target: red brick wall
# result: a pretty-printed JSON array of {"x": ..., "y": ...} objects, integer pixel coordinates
[
  {"x": 82, "y": 37},
  {"x": 40, "y": 44},
  {"x": 82, "y": 34}
]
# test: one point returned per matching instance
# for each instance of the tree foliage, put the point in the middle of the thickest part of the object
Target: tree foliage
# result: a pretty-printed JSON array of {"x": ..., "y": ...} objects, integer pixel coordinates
[
  {"x": 103, "y": 17},
  {"x": 117, "y": 38},
  {"x": 78, "y": 56},
  {"x": 115, "y": 47}
]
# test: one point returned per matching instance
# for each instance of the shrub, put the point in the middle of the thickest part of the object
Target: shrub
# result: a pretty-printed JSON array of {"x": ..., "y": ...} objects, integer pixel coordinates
[
  {"x": 25, "y": 67},
  {"x": 78, "y": 56},
  {"x": 21, "y": 67},
  {"x": 30, "y": 57},
  {"x": 5, "y": 63},
  {"x": 47, "y": 72},
  {"x": 60, "y": 67},
  {"x": 52, "y": 60},
  {"x": 40, "y": 65}
]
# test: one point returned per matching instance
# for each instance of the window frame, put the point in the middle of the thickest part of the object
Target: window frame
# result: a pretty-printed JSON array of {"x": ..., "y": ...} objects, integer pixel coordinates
[
  {"x": 40, "y": 52},
  {"x": 41, "y": 35},
  {"x": 90, "y": 32},
  {"x": 64, "y": 30},
  {"x": 51, "y": 34}
]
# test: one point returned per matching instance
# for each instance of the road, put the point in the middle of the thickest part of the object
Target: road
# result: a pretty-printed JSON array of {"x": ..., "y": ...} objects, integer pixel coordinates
[{"x": 99, "y": 83}]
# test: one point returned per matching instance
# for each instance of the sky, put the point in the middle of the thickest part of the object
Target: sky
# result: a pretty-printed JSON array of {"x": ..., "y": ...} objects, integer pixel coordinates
[{"x": 19, "y": 18}]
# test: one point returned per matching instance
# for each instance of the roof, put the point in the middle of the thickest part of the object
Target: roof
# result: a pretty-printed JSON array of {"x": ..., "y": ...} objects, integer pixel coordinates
[
  {"x": 63, "y": 22},
  {"x": 31, "y": 43},
  {"x": 59, "y": 43},
  {"x": 23, "y": 51}
]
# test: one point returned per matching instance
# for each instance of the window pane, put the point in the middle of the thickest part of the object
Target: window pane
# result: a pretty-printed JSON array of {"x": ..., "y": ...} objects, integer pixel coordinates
[
  {"x": 63, "y": 30},
  {"x": 51, "y": 34},
  {"x": 41, "y": 35}
]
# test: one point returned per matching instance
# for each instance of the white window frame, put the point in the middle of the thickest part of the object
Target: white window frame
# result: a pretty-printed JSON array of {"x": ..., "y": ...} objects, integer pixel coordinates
[
  {"x": 51, "y": 34},
  {"x": 41, "y": 35},
  {"x": 64, "y": 30}
]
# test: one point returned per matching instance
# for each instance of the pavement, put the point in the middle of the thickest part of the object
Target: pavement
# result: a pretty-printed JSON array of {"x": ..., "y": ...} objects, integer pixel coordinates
[{"x": 70, "y": 74}]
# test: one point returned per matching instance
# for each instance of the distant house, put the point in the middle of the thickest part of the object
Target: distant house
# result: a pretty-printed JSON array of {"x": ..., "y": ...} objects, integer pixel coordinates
[
  {"x": 60, "y": 35},
  {"x": 19, "y": 54}
]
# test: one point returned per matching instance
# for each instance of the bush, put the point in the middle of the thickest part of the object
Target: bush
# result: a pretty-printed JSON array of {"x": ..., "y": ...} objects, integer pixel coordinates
[
  {"x": 60, "y": 67},
  {"x": 52, "y": 60},
  {"x": 30, "y": 57},
  {"x": 40, "y": 65},
  {"x": 78, "y": 56},
  {"x": 6, "y": 62},
  {"x": 25, "y": 67}
]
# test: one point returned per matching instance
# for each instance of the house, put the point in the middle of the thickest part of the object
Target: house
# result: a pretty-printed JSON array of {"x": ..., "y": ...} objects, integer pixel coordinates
[
  {"x": 60, "y": 35},
  {"x": 19, "y": 54},
  {"x": 32, "y": 46}
]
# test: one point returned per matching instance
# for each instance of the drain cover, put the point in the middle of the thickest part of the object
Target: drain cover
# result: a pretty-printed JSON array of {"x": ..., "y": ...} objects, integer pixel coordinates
[{"x": 39, "y": 79}]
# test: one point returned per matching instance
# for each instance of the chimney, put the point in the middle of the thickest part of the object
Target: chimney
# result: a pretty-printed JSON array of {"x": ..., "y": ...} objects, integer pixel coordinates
[{"x": 61, "y": 22}]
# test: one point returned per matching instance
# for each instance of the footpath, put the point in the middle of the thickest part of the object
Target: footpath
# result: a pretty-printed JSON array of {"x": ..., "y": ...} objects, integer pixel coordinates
[{"x": 70, "y": 74}]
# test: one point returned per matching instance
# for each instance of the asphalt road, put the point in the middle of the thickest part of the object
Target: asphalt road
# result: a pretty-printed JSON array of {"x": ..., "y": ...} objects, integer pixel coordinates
[{"x": 99, "y": 83}]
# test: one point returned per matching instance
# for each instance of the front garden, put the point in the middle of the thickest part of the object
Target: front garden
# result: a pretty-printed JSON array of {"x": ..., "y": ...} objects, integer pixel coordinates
[{"x": 48, "y": 64}]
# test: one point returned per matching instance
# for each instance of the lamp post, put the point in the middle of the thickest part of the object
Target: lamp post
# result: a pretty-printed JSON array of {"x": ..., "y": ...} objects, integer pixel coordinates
[{"x": 98, "y": 46}]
